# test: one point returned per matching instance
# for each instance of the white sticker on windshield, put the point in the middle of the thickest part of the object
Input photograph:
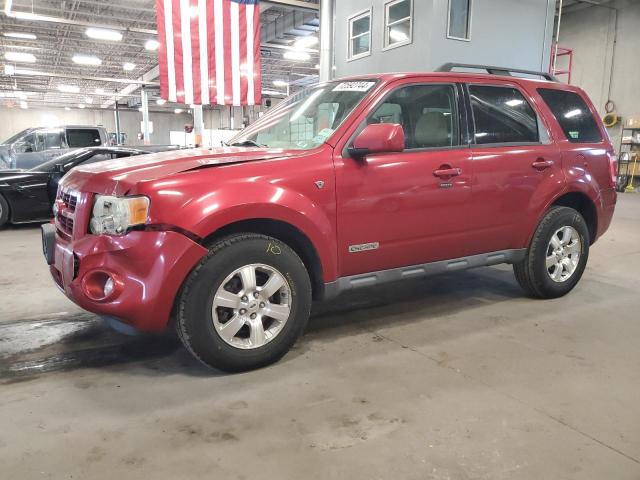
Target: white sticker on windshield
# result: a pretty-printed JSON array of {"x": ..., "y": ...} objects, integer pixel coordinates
[{"x": 353, "y": 86}]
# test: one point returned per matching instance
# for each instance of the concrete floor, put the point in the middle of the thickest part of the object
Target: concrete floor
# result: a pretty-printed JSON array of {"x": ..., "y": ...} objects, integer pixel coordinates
[{"x": 460, "y": 377}]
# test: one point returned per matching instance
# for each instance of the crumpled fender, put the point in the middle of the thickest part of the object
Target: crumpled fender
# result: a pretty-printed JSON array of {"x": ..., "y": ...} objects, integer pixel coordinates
[{"x": 242, "y": 200}]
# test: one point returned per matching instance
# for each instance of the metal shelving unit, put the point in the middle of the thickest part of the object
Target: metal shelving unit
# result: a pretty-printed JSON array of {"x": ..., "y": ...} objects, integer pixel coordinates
[{"x": 625, "y": 167}]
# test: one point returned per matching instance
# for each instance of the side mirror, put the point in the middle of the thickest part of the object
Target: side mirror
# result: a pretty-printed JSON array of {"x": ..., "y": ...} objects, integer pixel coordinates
[
  {"x": 378, "y": 138},
  {"x": 59, "y": 168}
]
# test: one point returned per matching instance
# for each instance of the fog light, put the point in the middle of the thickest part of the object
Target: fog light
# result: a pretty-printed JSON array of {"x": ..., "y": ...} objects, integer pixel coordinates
[
  {"x": 108, "y": 287},
  {"x": 101, "y": 286}
]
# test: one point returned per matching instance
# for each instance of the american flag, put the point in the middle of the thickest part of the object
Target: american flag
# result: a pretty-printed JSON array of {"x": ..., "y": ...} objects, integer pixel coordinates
[{"x": 209, "y": 51}]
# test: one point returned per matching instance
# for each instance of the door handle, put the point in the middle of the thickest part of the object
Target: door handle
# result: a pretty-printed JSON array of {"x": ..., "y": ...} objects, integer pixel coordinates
[
  {"x": 541, "y": 164},
  {"x": 447, "y": 172}
]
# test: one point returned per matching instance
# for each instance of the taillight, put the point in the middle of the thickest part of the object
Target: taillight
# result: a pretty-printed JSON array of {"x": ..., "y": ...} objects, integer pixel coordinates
[{"x": 613, "y": 167}]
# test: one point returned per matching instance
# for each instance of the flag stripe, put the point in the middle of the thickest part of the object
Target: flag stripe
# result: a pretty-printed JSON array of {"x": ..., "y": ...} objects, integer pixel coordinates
[
  {"x": 194, "y": 29},
  {"x": 162, "y": 51},
  {"x": 235, "y": 52},
  {"x": 242, "y": 44},
  {"x": 220, "y": 51},
  {"x": 211, "y": 43},
  {"x": 209, "y": 51},
  {"x": 249, "y": 61},
  {"x": 178, "y": 68},
  {"x": 187, "y": 66},
  {"x": 257, "y": 61},
  {"x": 204, "y": 55}
]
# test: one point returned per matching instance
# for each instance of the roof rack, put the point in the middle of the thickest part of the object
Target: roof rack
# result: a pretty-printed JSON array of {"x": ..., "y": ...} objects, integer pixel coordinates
[{"x": 448, "y": 67}]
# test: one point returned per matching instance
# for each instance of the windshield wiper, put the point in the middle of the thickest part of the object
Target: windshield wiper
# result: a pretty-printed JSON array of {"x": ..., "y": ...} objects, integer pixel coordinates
[{"x": 246, "y": 143}]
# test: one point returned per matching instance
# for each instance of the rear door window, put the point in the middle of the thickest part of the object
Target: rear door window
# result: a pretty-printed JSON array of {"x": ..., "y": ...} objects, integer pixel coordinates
[
  {"x": 572, "y": 114},
  {"x": 502, "y": 115},
  {"x": 83, "y": 137}
]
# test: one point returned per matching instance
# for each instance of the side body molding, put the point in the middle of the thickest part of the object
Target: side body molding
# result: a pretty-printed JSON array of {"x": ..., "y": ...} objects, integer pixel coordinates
[{"x": 352, "y": 282}]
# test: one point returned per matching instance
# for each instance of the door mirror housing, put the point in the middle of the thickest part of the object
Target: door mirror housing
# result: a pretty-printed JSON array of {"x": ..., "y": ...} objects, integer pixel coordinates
[
  {"x": 59, "y": 168},
  {"x": 378, "y": 138}
]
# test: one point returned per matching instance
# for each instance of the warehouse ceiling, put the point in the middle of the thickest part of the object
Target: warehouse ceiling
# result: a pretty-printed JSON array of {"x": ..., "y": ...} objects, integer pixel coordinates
[{"x": 53, "y": 32}]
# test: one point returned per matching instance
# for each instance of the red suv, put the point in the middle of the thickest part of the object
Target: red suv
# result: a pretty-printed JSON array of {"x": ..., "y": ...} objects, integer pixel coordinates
[{"x": 347, "y": 184}]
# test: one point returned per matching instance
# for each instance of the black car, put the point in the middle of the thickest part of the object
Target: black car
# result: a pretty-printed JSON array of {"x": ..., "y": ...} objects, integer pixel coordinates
[{"x": 28, "y": 195}]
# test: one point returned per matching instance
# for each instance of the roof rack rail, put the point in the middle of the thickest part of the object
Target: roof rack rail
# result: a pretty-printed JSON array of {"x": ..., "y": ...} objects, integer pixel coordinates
[{"x": 448, "y": 67}]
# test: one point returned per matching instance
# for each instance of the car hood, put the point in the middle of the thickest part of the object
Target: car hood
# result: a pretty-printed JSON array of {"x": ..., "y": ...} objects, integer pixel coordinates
[{"x": 117, "y": 177}]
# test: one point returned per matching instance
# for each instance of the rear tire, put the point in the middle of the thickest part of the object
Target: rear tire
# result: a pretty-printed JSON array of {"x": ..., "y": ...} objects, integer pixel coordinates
[
  {"x": 234, "y": 320},
  {"x": 557, "y": 255},
  {"x": 4, "y": 212}
]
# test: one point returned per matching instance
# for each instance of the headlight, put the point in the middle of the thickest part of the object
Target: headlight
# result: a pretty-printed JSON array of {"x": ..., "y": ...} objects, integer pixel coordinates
[{"x": 115, "y": 215}]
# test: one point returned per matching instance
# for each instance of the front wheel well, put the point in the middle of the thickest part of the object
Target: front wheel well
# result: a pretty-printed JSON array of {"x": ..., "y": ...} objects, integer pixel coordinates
[
  {"x": 584, "y": 205},
  {"x": 284, "y": 232}
]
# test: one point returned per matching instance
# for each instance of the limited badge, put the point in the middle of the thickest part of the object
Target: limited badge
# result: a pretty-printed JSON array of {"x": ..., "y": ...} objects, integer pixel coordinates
[{"x": 363, "y": 246}]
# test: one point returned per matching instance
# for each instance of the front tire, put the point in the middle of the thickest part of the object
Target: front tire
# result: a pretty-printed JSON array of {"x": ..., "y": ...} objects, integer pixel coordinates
[
  {"x": 245, "y": 304},
  {"x": 557, "y": 255},
  {"x": 4, "y": 212}
]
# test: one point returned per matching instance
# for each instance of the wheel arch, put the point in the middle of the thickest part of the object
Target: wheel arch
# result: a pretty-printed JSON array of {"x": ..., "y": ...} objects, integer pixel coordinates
[
  {"x": 286, "y": 233},
  {"x": 582, "y": 203}
]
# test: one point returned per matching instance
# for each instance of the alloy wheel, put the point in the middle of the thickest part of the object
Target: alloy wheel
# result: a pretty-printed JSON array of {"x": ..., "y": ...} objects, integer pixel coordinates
[
  {"x": 563, "y": 254},
  {"x": 251, "y": 306}
]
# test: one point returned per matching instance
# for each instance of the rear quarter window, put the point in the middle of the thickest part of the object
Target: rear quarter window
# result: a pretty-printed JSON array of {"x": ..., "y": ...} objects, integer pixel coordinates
[
  {"x": 573, "y": 115},
  {"x": 83, "y": 137}
]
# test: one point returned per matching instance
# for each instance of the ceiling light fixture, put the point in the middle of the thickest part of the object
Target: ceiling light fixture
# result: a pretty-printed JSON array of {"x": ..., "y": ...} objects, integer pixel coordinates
[
  {"x": 68, "y": 89},
  {"x": 20, "y": 57},
  {"x": 86, "y": 60},
  {"x": 177, "y": 110},
  {"x": 161, "y": 101},
  {"x": 103, "y": 34},
  {"x": 294, "y": 55},
  {"x": 67, "y": 109},
  {"x": 128, "y": 66},
  {"x": 152, "y": 45},
  {"x": 81, "y": 105},
  {"x": 23, "y": 36},
  {"x": 280, "y": 83}
]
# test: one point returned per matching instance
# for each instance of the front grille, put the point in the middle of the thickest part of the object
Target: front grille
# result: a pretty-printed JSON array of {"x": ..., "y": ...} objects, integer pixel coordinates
[
  {"x": 66, "y": 206},
  {"x": 65, "y": 224},
  {"x": 70, "y": 200}
]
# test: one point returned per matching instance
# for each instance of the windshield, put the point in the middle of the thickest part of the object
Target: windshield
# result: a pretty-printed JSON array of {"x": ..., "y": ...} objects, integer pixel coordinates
[
  {"x": 15, "y": 137},
  {"x": 50, "y": 166},
  {"x": 307, "y": 119}
]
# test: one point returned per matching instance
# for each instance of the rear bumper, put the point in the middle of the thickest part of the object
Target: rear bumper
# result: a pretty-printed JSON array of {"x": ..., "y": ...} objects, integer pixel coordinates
[
  {"x": 608, "y": 199},
  {"x": 146, "y": 268}
]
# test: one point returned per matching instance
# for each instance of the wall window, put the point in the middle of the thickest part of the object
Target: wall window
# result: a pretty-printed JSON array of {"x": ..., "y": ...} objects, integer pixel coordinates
[
  {"x": 502, "y": 115},
  {"x": 427, "y": 114},
  {"x": 398, "y": 23},
  {"x": 359, "y": 35},
  {"x": 572, "y": 114},
  {"x": 459, "y": 21}
]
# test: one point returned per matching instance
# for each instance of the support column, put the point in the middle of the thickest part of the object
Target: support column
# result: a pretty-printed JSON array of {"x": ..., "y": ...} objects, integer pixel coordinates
[
  {"x": 326, "y": 39},
  {"x": 146, "y": 134},
  {"x": 116, "y": 113},
  {"x": 198, "y": 124}
]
